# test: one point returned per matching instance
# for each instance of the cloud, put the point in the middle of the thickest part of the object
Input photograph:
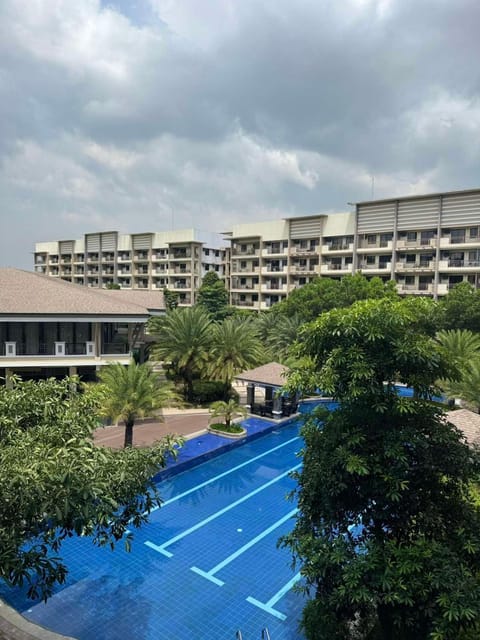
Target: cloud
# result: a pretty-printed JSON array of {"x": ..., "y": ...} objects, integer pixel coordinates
[{"x": 114, "y": 114}]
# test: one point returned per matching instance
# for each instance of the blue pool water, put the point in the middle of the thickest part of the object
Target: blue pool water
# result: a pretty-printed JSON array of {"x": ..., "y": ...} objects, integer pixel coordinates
[{"x": 206, "y": 565}]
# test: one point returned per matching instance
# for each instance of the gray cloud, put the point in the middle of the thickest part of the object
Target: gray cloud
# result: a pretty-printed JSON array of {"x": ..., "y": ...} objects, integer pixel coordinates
[{"x": 113, "y": 115}]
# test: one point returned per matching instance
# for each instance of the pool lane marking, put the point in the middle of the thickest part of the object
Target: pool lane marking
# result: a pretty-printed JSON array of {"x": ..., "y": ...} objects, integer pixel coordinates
[
  {"x": 268, "y": 606},
  {"x": 210, "y": 575},
  {"x": 161, "y": 548},
  {"x": 222, "y": 475}
]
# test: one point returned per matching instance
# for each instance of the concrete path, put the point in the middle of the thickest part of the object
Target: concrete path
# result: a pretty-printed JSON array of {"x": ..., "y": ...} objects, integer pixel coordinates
[{"x": 185, "y": 423}]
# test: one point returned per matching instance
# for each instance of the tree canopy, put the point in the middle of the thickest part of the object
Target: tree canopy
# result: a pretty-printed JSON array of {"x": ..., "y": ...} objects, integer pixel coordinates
[
  {"x": 323, "y": 294},
  {"x": 460, "y": 308},
  {"x": 387, "y": 535},
  {"x": 213, "y": 296},
  {"x": 56, "y": 483}
]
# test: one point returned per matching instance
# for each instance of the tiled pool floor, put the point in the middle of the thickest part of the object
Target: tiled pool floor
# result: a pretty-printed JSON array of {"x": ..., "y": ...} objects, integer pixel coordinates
[{"x": 206, "y": 565}]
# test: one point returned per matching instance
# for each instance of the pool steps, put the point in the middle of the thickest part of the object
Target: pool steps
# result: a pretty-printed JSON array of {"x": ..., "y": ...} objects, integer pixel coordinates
[{"x": 265, "y": 634}]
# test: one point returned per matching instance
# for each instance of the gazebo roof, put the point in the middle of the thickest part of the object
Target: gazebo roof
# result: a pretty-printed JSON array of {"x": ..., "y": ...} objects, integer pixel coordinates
[
  {"x": 268, "y": 375},
  {"x": 468, "y": 422}
]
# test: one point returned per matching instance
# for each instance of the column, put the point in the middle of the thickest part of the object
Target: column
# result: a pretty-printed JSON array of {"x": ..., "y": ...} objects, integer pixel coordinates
[{"x": 250, "y": 395}]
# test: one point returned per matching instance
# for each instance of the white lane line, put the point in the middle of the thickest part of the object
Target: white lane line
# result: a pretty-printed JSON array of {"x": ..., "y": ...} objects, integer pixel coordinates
[
  {"x": 161, "y": 548},
  {"x": 268, "y": 606},
  {"x": 209, "y": 575},
  {"x": 222, "y": 475}
]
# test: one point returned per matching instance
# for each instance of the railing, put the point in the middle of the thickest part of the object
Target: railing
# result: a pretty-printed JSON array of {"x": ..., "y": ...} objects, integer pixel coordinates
[
  {"x": 381, "y": 265},
  {"x": 464, "y": 263},
  {"x": 338, "y": 246},
  {"x": 75, "y": 349},
  {"x": 243, "y": 303},
  {"x": 111, "y": 348}
]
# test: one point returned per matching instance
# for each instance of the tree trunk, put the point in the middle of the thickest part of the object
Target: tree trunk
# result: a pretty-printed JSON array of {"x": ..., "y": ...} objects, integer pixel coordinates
[{"x": 128, "y": 442}]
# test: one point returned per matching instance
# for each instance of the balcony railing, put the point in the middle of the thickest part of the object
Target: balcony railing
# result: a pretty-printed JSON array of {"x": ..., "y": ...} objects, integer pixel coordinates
[{"x": 112, "y": 348}]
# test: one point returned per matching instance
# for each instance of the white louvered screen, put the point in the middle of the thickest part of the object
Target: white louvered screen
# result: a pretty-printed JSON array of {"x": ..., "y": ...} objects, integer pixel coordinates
[
  {"x": 306, "y": 228},
  {"x": 461, "y": 210},
  {"x": 109, "y": 241},
  {"x": 92, "y": 242},
  {"x": 142, "y": 241},
  {"x": 418, "y": 214},
  {"x": 376, "y": 217},
  {"x": 66, "y": 246}
]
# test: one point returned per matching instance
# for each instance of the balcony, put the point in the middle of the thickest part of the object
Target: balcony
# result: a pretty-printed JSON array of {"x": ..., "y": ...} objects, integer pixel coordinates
[
  {"x": 243, "y": 303},
  {"x": 124, "y": 257},
  {"x": 301, "y": 251},
  {"x": 383, "y": 245},
  {"x": 275, "y": 251},
  {"x": 459, "y": 264},
  {"x": 335, "y": 268},
  {"x": 273, "y": 269},
  {"x": 376, "y": 266},
  {"x": 249, "y": 251},
  {"x": 416, "y": 266},
  {"x": 421, "y": 288},
  {"x": 313, "y": 268},
  {"x": 417, "y": 244},
  {"x": 337, "y": 247},
  {"x": 180, "y": 255},
  {"x": 52, "y": 349},
  {"x": 141, "y": 257}
]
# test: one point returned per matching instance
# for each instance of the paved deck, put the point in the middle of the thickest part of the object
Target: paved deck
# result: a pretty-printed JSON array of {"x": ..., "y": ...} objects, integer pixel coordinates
[{"x": 146, "y": 432}]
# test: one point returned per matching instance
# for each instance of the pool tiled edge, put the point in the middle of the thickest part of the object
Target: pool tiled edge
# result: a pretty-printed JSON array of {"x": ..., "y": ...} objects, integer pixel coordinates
[{"x": 206, "y": 446}]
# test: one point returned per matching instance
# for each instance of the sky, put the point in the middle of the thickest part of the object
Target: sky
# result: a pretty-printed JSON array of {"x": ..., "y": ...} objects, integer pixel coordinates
[{"x": 148, "y": 115}]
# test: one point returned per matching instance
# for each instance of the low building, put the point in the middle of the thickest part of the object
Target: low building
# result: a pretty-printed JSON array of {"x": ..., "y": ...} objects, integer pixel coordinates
[{"x": 49, "y": 327}]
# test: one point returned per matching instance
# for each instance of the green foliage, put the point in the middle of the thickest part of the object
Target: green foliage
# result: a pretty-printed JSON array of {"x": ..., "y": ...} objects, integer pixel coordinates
[
  {"x": 131, "y": 392},
  {"x": 463, "y": 347},
  {"x": 56, "y": 483},
  {"x": 171, "y": 299},
  {"x": 388, "y": 536},
  {"x": 113, "y": 285},
  {"x": 183, "y": 338},
  {"x": 323, "y": 294},
  {"x": 227, "y": 410},
  {"x": 206, "y": 391},
  {"x": 232, "y": 428},
  {"x": 235, "y": 348},
  {"x": 213, "y": 296},
  {"x": 461, "y": 308}
]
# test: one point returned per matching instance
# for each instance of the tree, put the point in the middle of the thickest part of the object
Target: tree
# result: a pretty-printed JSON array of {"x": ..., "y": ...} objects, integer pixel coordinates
[
  {"x": 461, "y": 308},
  {"x": 235, "y": 347},
  {"x": 282, "y": 336},
  {"x": 183, "y": 337},
  {"x": 323, "y": 294},
  {"x": 387, "y": 535},
  {"x": 171, "y": 298},
  {"x": 56, "y": 483},
  {"x": 132, "y": 392},
  {"x": 228, "y": 411},
  {"x": 213, "y": 296}
]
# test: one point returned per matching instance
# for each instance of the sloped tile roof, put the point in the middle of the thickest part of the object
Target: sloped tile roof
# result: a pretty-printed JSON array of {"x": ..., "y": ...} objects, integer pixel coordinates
[
  {"x": 148, "y": 299},
  {"x": 27, "y": 293},
  {"x": 272, "y": 374},
  {"x": 468, "y": 422}
]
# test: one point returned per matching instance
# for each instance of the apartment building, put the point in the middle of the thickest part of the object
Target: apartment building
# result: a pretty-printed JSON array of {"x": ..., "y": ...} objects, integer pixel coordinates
[
  {"x": 176, "y": 259},
  {"x": 427, "y": 244}
]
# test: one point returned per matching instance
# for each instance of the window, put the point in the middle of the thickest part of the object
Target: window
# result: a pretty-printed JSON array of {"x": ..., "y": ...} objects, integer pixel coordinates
[
  {"x": 206, "y": 252},
  {"x": 473, "y": 232},
  {"x": 457, "y": 236},
  {"x": 372, "y": 239},
  {"x": 411, "y": 236},
  {"x": 217, "y": 253},
  {"x": 370, "y": 260}
]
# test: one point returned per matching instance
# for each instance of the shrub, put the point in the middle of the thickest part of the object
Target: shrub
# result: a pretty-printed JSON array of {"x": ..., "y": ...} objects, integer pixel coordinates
[{"x": 206, "y": 391}]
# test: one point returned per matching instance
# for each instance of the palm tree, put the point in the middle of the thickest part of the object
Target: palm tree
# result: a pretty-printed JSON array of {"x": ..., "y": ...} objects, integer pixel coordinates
[
  {"x": 227, "y": 410},
  {"x": 282, "y": 336},
  {"x": 183, "y": 338},
  {"x": 132, "y": 392},
  {"x": 463, "y": 346},
  {"x": 235, "y": 347}
]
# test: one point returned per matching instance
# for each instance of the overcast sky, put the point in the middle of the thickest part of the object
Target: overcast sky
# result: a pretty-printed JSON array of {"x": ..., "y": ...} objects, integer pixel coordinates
[{"x": 139, "y": 114}]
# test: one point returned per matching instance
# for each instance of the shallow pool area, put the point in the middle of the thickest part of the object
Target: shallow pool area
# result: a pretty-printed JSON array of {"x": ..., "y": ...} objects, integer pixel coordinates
[{"x": 206, "y": 564}]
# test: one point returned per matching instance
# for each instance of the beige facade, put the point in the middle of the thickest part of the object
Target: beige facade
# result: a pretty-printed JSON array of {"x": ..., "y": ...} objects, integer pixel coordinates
[
  {"x": 177, "y": 260},
  {"x": 427, "y": 244}
]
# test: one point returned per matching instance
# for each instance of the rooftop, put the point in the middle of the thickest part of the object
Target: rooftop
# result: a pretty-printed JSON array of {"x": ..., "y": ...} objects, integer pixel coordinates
[
  {"x": 271, "y": 374},
  {"x": 23, "y": 293}
]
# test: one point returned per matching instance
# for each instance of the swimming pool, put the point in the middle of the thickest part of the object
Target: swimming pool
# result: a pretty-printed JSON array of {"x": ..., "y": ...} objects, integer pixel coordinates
[{"x": 204, "y": 566}]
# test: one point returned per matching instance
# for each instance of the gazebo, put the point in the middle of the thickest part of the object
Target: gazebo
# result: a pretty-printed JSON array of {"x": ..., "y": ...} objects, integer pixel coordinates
[{"x": 271, "y": 377}]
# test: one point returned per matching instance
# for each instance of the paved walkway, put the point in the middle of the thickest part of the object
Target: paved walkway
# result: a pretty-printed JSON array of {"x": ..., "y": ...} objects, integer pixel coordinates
[{"x": 145, "y": 432}]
